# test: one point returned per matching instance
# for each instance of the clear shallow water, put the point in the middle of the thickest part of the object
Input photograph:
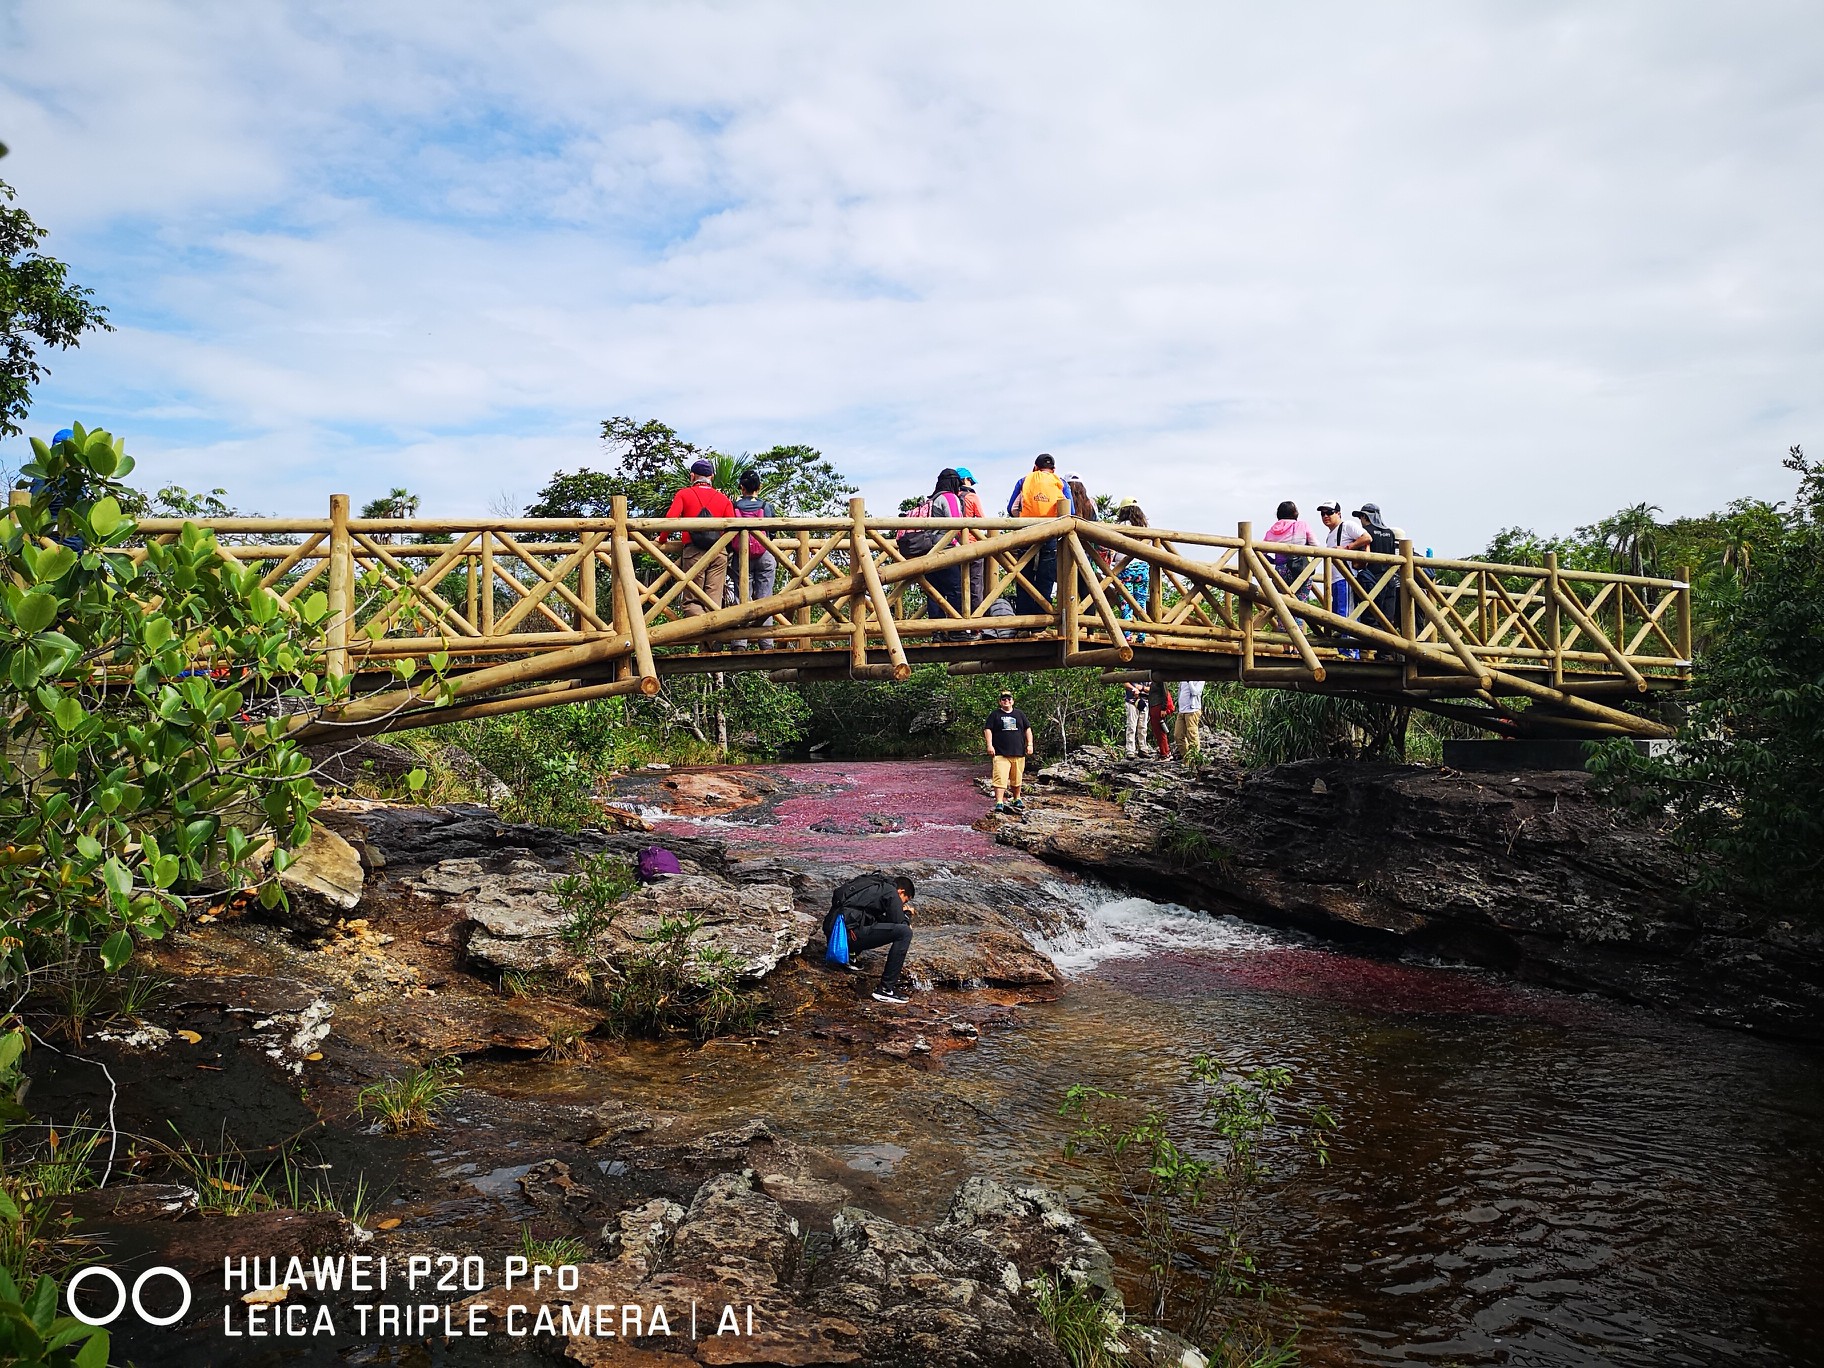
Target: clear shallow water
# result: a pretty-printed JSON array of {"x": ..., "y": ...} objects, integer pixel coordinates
[{"x": 1522, "y": 1177}]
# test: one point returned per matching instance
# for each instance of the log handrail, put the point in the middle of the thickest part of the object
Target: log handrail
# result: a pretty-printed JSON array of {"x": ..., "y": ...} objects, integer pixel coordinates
[{"x": 526, "y": 605}]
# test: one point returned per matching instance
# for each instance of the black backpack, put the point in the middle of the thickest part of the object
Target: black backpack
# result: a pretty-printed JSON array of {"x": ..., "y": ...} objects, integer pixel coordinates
[{"x": 862, "y": 901}]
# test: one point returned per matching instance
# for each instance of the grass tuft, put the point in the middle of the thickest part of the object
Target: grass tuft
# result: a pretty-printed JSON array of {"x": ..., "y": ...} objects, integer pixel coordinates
[{"x": 411, "y": 1101}]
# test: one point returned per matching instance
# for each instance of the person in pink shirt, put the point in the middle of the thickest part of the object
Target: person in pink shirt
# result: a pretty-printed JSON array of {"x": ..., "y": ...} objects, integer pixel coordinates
[{"x": 1293, "y": 529}]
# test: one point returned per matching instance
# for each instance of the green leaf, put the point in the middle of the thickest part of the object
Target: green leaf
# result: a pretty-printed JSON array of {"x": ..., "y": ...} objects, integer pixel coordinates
[
  {"x": 164, "y": 871},
  {"x": 116, "y": 950},
  {"x": 68, "y": 713},
  {"x": 415, "y": 780},
  {"x": 94, "y": 1354},
  {"x": 158, "y": 633},
  {"x": 105, "y": 517},
  {"x": 314, "y": 608},
  {"x": 35, "y": 611},
  {"x": 53, "y": 564},
  {"x": 119, "y": 880}
]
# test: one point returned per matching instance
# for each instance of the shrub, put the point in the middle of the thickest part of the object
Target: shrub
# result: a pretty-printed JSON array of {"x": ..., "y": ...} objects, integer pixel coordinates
[
  {"x": 591, "y": 897},
  {"x": 131, "y": 763},
  {"x": 676, "y": 987}
]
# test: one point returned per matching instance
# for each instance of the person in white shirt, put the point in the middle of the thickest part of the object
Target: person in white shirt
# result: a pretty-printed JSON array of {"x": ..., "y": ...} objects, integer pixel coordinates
[
  {"x": 1345, "y": 534},
  {"x": 1186, "y": 720}
]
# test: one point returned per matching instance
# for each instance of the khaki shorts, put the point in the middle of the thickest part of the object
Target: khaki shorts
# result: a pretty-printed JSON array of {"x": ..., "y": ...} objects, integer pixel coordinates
[{"x": 1009, "y": 770}]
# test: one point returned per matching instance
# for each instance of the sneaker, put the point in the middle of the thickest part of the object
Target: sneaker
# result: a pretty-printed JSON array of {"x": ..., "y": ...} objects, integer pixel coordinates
[
  {"x": 1018, "y": 805},
  {"x": 1002, "y": 807},
  {"x": 892, "y": 995}
]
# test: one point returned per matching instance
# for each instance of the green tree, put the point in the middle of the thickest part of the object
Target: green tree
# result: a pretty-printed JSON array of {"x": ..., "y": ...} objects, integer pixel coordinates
[
  {"x": 39, "y": 307},
  {"x": 1743, "y": 785},
  {"x": 132, "y": 763},
  {"x": 1632, "y": 537},
  {"x": 651, "y": 462}
]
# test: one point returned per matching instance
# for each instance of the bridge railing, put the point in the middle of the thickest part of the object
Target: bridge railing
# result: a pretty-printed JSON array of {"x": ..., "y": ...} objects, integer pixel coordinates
[{"x": 605, "y": 605}]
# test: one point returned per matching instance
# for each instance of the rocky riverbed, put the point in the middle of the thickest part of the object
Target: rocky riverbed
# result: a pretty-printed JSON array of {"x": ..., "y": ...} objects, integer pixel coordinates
[
  {"x": 881, "y": 1184},
  {"x": 422, "y": 934}
]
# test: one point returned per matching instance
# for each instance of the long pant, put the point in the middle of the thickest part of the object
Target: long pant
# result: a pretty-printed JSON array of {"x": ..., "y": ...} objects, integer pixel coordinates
[
  {"x": 1160, "y": 739},
  {"x": 978, "y": 587},
  {"x": 714, "y": 578},
  {"x": 949, "y": 583},
  {"x": 760, "y": 572},
  {"x": 1044, "y": 576},
  {"x": 897, "y": 936},
  {"x": 1134, "y": 737},
  {"x": 1342, "y": 599},
  {"x": 1185, "y": 731}
]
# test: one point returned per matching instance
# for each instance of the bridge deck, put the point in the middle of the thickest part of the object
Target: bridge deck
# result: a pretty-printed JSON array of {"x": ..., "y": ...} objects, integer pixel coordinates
[{"x": 537, "y": 612}]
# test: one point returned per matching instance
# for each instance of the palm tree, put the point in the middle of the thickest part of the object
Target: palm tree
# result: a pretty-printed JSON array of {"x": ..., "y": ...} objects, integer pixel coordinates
[{"x": 1633, "y": 537}]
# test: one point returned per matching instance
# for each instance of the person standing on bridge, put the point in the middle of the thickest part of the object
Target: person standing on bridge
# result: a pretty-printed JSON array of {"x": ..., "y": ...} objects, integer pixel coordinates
[
  {"x": 1008, "y": 736},
  {"x": 1345, "y": 534},
  {"x": 944, "y": 588},
  {"x": 1293, "y": 529},
  {"x": 1135, "y": 574},
  {"x": 701, "y": 499},
  {"x": 1040, "y": 494},
  {"x": 978, "y": 569},
  {"x": 761, "y": 566}
]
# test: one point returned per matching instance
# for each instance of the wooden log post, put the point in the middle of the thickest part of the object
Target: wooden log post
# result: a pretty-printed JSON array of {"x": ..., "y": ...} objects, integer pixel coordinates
[
  {"x": 1554, "y": 625},
  {"x": 341, "y": 589},
  {"x": 585, "y": 581},
  {"x": 858, "y": 598},
  {"x": 898, "y": 667},
  {"x": 1070, "y": 629},
  {"x": 1243, "y": 606},
  {"x": 487, "y": 584},
  {"x": 1409, "y": 610},
  {"x": 1684, "y": 615},
  {"x": 1111, "y": 621},
  {"x": 629, "y": 585}
]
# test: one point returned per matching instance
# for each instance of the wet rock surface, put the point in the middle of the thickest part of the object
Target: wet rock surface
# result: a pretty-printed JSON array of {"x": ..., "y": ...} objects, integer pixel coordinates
[
  {"x": 454, "y": 947},
  {"x": 1530, "y": 874}
]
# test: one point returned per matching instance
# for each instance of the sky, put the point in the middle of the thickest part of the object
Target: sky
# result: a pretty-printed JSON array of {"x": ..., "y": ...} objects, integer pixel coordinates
[{"x": 1482, "y": 263}]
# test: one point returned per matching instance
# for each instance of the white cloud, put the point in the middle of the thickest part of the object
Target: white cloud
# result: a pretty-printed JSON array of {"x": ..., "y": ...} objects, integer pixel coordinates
[{"x": 1485, "y": 263}]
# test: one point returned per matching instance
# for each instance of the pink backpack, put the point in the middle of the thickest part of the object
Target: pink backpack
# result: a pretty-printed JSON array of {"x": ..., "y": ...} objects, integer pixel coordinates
[{"x": 755, "y": 547}]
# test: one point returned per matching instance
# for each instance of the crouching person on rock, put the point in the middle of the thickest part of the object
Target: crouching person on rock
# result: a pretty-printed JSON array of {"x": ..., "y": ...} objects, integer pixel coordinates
[{"x": 877, "y": 911}]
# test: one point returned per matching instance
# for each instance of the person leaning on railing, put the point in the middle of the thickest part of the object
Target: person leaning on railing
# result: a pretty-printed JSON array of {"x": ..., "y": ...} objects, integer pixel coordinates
[{"x": 700, "y": 499}]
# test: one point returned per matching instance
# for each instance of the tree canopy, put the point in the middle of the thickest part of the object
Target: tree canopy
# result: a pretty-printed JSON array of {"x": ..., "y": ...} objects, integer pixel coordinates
[
  {"x": 1744, "y": 783},
  {"x": 39, "y": 308},
  {"x": 651, "y": 462}
]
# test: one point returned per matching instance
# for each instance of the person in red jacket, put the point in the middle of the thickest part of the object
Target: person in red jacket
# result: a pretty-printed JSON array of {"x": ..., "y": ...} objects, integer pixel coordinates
[{"x": 701, "y": 499}]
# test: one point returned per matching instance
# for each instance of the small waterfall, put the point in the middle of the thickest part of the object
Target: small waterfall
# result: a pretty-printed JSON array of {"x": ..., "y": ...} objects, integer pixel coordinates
[{"x": 1118, "y": 926}]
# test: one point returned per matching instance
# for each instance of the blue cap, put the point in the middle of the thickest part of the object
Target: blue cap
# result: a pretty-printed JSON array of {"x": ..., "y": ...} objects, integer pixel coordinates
[
  {"x": 964, "y": 473},
  {"x": 67, "y": 435}
]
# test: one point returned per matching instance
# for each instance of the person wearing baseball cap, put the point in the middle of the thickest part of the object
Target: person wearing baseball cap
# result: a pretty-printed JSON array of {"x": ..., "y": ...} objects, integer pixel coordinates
[
  {"x": 1345, "y": 535},
  {"x": 1008, "y": 736},
  {"x": 701, "y": 499},
  {"x": 978, "y": 569}
]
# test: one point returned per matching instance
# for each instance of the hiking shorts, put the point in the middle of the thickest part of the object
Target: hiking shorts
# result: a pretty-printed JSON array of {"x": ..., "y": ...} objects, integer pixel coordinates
[{"x": 1009, "y": 770}]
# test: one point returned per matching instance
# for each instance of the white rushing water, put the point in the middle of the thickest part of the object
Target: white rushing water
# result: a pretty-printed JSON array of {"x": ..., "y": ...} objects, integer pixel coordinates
[{"x": 1116, "y": 926}]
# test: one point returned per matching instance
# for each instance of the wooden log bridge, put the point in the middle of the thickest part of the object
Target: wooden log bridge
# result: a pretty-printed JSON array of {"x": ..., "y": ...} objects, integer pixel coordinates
[{"x": 536, "y": 612}]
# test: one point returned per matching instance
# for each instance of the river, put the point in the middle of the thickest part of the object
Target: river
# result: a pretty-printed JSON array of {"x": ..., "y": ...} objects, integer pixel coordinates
[{"x": 1521, "y": 1176}]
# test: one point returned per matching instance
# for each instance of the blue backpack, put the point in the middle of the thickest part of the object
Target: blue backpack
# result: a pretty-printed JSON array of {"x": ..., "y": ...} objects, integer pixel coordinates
[{"x": 838, "y": 950}]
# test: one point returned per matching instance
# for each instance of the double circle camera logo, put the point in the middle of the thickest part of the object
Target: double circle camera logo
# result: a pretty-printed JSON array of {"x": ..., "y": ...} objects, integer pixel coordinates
[{"x": 122, "y": 1296}]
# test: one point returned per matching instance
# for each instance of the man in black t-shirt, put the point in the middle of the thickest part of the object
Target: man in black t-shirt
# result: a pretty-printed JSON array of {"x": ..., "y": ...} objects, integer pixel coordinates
[{"x": 1008, "y": 737}]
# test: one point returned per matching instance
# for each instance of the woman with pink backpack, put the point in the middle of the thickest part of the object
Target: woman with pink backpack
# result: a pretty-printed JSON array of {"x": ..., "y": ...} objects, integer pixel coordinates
[
  {"x": 944, "y": 598},
  {"x": 761, "y": 566}
]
